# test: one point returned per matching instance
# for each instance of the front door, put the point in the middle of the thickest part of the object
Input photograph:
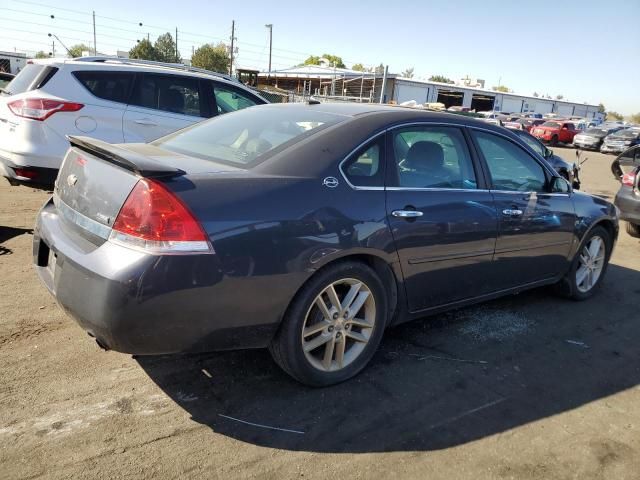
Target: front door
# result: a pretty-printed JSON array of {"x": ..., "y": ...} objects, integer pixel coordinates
[
  {"x": 536, "y": 226},
  {"x": 162, "y": 104},
  {"x": 443, "y": 221}
]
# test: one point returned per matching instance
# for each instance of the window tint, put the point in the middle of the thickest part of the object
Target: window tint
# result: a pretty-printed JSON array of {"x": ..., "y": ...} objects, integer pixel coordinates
[
  {"x": 230, "y": 99},
  {"x": 432, "y": 157},
  {"x": 364, "y": 168},
  {"x": 511, "y": 168},
  {"x": 169, "y": 93},
  {"x": 112, "y": 86},
  {"x": 31, "y": 77}
]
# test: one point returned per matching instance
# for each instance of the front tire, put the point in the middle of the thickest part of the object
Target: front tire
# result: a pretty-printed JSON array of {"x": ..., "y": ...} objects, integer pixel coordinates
[
  {"x": 554, "y": 141},
  {"x": 333, "y": 326},
  {"x": 589, "y": 265},
  {"x": 633, "y": 229}
]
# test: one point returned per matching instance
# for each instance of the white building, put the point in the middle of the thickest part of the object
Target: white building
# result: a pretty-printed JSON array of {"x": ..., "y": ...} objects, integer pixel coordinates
[
  {"x": 12, "y": 62},
  {"x": 480, "y": 99}
]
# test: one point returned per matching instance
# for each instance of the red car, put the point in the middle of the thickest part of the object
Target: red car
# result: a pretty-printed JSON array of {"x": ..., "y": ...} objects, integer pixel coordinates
[{"x": 554, "y": 131}]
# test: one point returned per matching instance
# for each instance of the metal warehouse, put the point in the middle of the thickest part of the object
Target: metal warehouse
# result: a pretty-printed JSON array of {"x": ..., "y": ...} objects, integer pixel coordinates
[{"x": 480, "y": 99}]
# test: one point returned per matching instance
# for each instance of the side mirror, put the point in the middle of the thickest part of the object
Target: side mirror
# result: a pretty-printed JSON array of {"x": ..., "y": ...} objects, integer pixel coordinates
[
  {"x": 560, "y": 185},
  {"x": 547, "y": 152}
]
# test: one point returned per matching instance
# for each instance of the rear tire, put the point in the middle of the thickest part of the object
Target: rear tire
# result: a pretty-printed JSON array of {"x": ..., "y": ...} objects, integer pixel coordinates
[
  {"x": 554, "y": 141},
  {"x": 589, "y": 266},
  {"x": 633, "y": 229},
  {"x": 333, "y": 326}
]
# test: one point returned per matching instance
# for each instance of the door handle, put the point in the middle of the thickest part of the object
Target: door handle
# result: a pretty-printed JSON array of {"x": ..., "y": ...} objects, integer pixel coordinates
[
  {"x": 145, "y": 121},
  {"x": 512, "y": 212},
  {"x": 407, "y": 213}
]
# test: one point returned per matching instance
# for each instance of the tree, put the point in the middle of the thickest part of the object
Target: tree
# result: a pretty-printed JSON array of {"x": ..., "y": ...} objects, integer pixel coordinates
[
  {"x": 500, "y": 88},
  {"x": 536, "y": 94},
  {"x": 333, "y": 60},
  {"x": 559, "y": 97},
  {"x": 358, "y": 67},
  {"x": 440, "y": 78},
  {"x": 635, "y": 118},
  {"x": 76, "y": 50},
  {"x": 614, "y": 116},
  {"x": 379, "y": 70},
  {"x": 601, "y": 108},
  {"x": 42, "y": 54},
  {"x": 408, "y": 73},
  {"x": 166, "y": 49},
  {"x": 210, "y": 57},
  {"x": 144, "y": 51}
]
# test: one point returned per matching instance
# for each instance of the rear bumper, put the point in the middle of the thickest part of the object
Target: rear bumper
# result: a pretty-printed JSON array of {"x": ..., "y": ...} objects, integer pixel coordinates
[
  {"x": 138, "y": 303},
  {"x": 586, "y": 145},
  {"x": 27, "y": 174},
  {"x": 628, "y": 203}
]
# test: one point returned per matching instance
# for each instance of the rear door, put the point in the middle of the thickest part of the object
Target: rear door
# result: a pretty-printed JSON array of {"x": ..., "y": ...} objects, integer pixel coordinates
[
  {"x": 161, "y": 104},
  {"x": 536, "y": 227},
  {"x": 442, "y": 217}
]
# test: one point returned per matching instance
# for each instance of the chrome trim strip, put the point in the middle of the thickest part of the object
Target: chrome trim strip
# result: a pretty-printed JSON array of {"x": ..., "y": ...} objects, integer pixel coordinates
[
  {"x": 532, "y": 247},
  {"x": 81, "y": 220},
  {"x": 436, "y": 189},
  {"x": 455, "y": 256}
]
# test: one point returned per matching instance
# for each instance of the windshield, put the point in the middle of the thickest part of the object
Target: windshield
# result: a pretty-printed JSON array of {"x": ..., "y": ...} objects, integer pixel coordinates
[
  {"x": 596, "y": 131},
  {"x": 630, "y": 133},
  {"x": 246, "y": 137},
  {"x": 551, "y": 124}
]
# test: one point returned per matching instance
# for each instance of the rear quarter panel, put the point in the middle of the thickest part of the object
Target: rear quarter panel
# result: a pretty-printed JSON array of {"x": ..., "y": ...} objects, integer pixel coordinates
[{"x": 591, "y": 211}]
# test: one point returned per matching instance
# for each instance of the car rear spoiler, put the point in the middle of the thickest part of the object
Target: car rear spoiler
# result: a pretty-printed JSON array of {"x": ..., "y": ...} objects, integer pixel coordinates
[{"x": 123, "y": 158}]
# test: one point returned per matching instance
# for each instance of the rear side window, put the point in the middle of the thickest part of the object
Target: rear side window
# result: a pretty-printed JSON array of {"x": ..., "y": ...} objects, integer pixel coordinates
[
  {"x": 365, "y": 167},
  {"x": 31, "y": 77},
  {"x": 169, "y": 93},
  {"x": 229, "y": 99},
  {"x": 112, "y": 86}
]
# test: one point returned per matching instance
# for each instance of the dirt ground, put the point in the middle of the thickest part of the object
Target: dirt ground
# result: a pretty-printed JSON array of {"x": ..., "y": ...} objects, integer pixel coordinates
[{"x": 530, "y": 386}]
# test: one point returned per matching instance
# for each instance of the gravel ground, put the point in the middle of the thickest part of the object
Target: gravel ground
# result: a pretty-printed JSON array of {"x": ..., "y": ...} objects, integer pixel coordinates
[{"x": 530, "y": 386}]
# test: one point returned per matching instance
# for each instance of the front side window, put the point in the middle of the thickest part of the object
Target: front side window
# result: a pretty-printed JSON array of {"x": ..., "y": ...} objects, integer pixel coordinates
[
  {"x": 432, "y": 157},
  {"x": 113, "y": 86},
  {"x": 168, "y": 93},
  {"x": 231, "y": 99},
  {"x": 364, "y": 168},
  {"x": 510, "y": 167}
]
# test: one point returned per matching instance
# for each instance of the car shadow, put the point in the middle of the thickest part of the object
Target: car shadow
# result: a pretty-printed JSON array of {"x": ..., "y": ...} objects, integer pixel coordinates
[
  {"x": 434, "y": 383},
  {"x": 7, "y": 233}
]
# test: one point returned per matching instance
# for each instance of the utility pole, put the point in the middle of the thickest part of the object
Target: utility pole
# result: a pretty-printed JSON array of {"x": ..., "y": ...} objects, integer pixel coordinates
[
  {"x": 270, "y": 27},
  {"x": 95, "y": 48},
  {"x": 384, "y": 83},
  {"x": 233, "y": 37},
  {"x": 53, "y": 48},
  {"x": 177, "y": 56}
]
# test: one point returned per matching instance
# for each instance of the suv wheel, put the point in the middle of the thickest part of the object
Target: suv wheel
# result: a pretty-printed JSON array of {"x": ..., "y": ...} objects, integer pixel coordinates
[{"x": 333, "y": 327}]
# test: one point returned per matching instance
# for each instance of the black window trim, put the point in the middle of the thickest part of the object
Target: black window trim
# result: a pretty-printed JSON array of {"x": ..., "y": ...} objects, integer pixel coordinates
[{"x": 547, "y": 170}]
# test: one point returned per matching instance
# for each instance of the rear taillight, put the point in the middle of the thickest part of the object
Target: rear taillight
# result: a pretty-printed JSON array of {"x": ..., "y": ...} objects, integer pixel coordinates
[
  {"x": 26, "y": 173},
  {"x": 153, "y": 219},
  {"x": 41, "y": 108},
  {"x": 629, "y": 179}
]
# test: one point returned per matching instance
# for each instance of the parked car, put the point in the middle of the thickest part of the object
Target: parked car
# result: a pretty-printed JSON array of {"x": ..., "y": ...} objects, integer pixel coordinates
[
  {"x": 529, "y": 123},
  {"x": 493, "y": 121},
  {"x": 555, "y": 131},
  {"x": 626, "y": 169},
  {"x": 5, "y": 78},
  {"x": 592, "y": 138},
  {"x": 619, "y": 141},
  {"x": 115, "y": 100},
  {"x": 308, "y": 229},
  {"x": 569, "y": 171},
  {"x": 513, "y": 125}
]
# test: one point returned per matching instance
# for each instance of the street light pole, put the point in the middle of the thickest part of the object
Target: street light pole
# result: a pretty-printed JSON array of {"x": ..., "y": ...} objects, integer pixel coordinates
[
  {"x": 270, "y": 27},
  {"x": 60, "y": 41}
]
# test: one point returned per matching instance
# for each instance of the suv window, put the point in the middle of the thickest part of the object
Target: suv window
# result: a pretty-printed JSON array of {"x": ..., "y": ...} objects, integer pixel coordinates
[
  {"x": 31, "y": 77},
  {"x": 432, "y": 157},
  {"x": 112, "y": 86},
  {"x": 230, "y": 99},
  {"x": 169, "y": 93},
  {"x": 365, "y": 167},
  {"x": 510, "y": 167}
]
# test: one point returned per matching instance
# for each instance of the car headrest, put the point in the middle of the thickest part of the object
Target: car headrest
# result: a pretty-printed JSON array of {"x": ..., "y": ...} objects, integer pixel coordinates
[
  {"x": 425, "y": 156},
  {"x": 171, "y": 100}
]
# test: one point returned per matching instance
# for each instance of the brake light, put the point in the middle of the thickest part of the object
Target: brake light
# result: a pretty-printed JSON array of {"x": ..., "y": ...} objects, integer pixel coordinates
[
  {"x": 26, "y": 173},
  {"x": 629, "y": 179},
  {"x": 153, "y": 219},
  {"x": 41, "y": 108}
]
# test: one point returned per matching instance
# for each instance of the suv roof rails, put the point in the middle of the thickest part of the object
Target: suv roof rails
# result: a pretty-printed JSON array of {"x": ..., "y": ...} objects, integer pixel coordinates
[{"x": 151, "y": 63}]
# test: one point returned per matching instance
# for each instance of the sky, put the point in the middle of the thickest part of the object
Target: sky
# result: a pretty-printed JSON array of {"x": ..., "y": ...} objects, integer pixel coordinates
[{"x": 587, "y": 51}]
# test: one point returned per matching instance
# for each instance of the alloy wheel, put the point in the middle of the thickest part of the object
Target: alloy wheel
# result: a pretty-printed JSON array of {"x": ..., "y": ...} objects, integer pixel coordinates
[
  {"x": 590, "y": 264},
  {"x": 338, "y": 325}
]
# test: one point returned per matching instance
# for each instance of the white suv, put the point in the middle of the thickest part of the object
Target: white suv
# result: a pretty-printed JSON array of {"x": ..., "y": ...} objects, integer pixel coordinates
[{"x": 115, "y": 100}]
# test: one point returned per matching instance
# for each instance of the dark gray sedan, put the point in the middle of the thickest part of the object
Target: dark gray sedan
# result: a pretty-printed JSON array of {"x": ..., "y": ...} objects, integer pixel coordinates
[
  {"x": 308, "y": 229},
  {"x": 626, "y": 169}
]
